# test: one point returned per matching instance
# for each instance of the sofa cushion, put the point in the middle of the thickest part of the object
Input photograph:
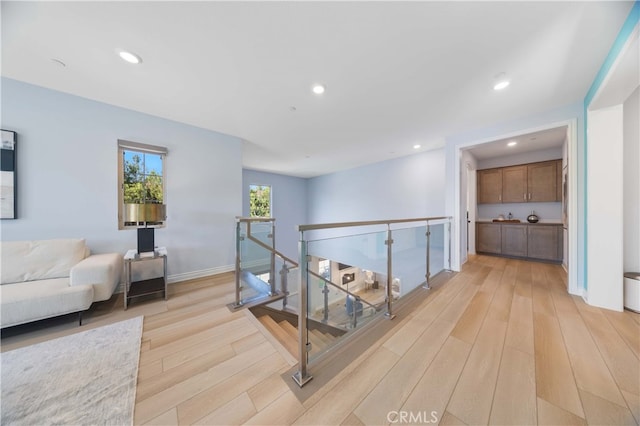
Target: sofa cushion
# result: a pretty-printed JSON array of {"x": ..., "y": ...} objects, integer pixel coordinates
[
  {"x": 39, "y": 259},
  {"x": 35, "y": 300}
]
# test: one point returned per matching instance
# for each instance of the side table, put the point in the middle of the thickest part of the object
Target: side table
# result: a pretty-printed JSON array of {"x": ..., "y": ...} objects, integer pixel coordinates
[{"x": 134, "y": 289}]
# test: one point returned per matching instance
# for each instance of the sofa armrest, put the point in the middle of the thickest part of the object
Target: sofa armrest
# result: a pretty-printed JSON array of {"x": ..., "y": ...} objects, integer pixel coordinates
[{"x": 103, "y": 271}]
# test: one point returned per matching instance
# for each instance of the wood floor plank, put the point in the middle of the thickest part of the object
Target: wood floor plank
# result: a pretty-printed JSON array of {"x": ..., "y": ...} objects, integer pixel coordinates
[
  {"x": 175, "y": 395},
  {"x": 433, "y": 391},
  {"x": 352, "y": 420},
  {"x": 633, "y": 402},
  {"x": 500, "y": 308},
  {"x": 268, "y": 390},
  {"x": 175, "y": 375},
  {"x": 168, "y": 418},
  {"x": 212, "y": 398},
  {"x": 620, "y": 359},
  {"x": 469, "y": 323},
  {"x": 554, "y": 377},
  {"x": 235, "y": 412},
  {"x": 338, "y": 403},
  {"x": 590, "y": 370},
  {"x": 217, "y": 334},
  {"x": 628, "y": 329},
  {"x": 404, "y": 375},
  {"x": 450, "y": 420},
  {"x": 520, "y": 329},
  {"x": 549, "y": 414},
  {"x": 282, "y": 411},
  {"x": 602, "y": 412},
  {"x": 514, "y": 402},
  {"x": 472, "y": 397}
]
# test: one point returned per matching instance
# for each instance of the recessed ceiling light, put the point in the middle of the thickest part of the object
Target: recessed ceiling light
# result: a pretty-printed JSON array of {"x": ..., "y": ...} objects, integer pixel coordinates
[
  {"x": 417, "y": 146},
  {"x": 318, "y": 89},
  {"x": 500, "y": 81},
  {"x": 132, "y": 58},
  {"x": 512, "y": 143}
]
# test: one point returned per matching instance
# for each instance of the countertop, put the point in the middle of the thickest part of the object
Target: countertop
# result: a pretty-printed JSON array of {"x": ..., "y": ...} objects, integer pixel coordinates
[{"x": 522, "y": 222}]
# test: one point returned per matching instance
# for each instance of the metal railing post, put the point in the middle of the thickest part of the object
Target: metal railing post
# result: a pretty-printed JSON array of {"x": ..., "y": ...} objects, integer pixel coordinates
[
  {"x": 449, "y": 260},
  {"x": 272, "y": 269},
  {"x": 238, "y": 287},
  {"x": 284, "y": 284},
  {"x": 389, "y": 242},
  {"x": 428, "y": 276},
  {"x": 325, "y": 292},
  {"x": 301, "y": 377}
]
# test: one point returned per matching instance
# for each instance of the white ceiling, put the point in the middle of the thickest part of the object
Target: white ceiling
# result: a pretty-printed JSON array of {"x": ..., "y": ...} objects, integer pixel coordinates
[
  {"x": 528, "y": 142},
  {"x": 397, "y": 73}
]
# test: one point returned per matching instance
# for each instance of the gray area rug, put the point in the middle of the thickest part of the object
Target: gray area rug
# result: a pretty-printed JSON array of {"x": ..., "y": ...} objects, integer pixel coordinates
[{"x": 88, "y": 378}]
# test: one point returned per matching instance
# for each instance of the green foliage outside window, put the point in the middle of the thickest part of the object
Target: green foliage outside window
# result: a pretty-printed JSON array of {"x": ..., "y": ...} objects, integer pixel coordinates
[
  {"x": 259, "y": 201},
  {"x": 142, "y": 185}
]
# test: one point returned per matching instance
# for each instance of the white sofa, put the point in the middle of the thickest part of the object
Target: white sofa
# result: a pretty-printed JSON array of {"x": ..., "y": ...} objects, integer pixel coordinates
[{"x": 46, "y": 278}]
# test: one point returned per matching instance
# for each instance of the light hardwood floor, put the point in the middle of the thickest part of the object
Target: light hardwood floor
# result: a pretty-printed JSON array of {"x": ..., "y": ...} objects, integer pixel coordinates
[{"x": 501, "y": 342}]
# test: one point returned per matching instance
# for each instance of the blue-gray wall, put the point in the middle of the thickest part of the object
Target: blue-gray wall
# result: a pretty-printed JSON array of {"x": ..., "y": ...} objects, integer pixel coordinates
[
  {"x": 406, "y": 187},
  {"x": 67, "y": 178},
  {"x": 289, "y": 205}
]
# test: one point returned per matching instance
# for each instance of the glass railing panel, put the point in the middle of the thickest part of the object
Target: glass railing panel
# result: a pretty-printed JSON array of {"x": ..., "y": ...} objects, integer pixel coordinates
[
  {"x": 254, "y": 257},
  {"x": 438, "y": 249},
  {"x": 287, "y": 281},
  {"x": 366, "y": 251},
  {"x": 263, "y": 231},
  {"x": 409, "y": 255},
  {"x": 333, "y": 315}
]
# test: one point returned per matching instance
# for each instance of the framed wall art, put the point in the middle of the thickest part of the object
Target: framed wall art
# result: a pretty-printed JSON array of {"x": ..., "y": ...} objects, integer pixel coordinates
[{"x": 8, "y": 181}]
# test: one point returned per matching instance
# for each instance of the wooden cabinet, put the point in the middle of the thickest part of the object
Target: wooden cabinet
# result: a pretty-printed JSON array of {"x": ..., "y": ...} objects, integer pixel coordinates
[
  {"x": 528, "y": 241},
  {"x": 533, "y": 182},
  {"x": 489, "y": 238},
  {"x": 489, "y": 186},
  {"x": 514, "y": 240},
  {"x": 514, "y": 184},
  {"x": 541, "y": 181},
  {"x": 542, "y": 243}
]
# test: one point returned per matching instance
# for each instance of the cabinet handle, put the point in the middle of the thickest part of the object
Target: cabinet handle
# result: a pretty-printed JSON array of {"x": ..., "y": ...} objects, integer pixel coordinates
[
  {"x": 500, "y": 197},
  {"x": 529, "y": 195},
  {"x": 524, "y": 196}
]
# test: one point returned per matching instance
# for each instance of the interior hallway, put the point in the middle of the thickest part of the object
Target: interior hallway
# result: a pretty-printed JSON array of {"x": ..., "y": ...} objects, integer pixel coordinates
[{"x": 501, "y": 342}]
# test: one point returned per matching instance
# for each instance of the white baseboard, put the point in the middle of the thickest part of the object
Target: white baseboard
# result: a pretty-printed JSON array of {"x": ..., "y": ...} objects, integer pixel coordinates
[{"x": 176, "y": 278}]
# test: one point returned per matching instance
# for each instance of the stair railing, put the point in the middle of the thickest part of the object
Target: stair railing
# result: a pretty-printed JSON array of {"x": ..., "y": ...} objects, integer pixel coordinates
[
  {"x": 325, "y": 292},
  {"x": 392, "y": 228},
  {"x": 273, "y": 254}
]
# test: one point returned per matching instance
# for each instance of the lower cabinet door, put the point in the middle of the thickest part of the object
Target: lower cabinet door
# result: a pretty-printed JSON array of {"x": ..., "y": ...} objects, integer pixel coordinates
[
  {"x": 543, "y": 243},
  {"x": 489, "y": 238},
  {"x": 514, "y": 240}
]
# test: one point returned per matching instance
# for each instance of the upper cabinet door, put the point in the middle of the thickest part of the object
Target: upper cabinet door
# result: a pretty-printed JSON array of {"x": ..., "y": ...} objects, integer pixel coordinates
[
  {"x": 514, "y": 184},
  {"x": 541, "y": 179},
  {"x": 490, "y": 186}
]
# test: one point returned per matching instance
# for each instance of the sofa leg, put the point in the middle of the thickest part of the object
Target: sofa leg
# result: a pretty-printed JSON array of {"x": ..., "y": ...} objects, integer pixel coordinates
[{"x": 79, "y": 318}]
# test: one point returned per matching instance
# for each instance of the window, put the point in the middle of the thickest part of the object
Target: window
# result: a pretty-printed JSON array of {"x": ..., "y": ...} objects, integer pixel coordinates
[
  {"x": 259, "y": 201},
  {"x": 141, "y": 185}
]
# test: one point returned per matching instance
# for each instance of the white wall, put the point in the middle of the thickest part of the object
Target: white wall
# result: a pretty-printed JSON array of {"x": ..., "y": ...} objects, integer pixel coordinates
[
  {"x": 289, "y": 206},
  {"x": 67, "y": 178},
  {"x": 605, "y": 208},
  {"x": 631, "y": 168}
]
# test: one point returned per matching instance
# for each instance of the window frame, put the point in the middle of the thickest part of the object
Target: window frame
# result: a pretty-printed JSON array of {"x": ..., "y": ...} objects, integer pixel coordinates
[{"x": 125, "y": 145}]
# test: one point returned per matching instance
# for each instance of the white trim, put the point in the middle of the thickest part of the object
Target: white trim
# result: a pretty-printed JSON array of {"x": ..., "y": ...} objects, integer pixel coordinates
[{"x": 177, "y": 278}]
